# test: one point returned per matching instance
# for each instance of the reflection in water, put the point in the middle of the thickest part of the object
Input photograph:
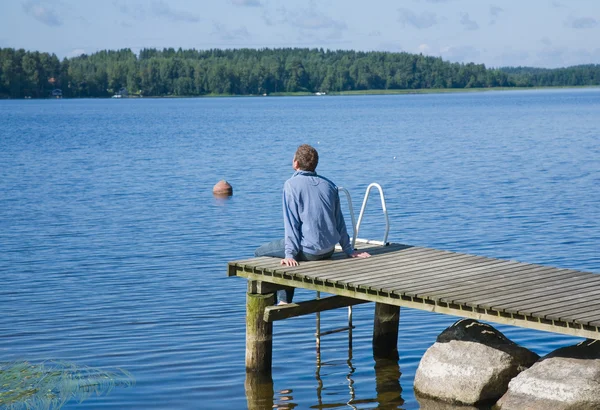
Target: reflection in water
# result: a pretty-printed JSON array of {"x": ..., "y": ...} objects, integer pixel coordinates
[
  {"x": 51, "y": 385},
  {"x": 260, "y": 393},
  {"x": 320, "y": 386},
  {"x": 387, "y": 380},
  {"x": 430, "y": 404},
  {"x": 221, "y": 199},
  {"x": 285, "y": 400}
]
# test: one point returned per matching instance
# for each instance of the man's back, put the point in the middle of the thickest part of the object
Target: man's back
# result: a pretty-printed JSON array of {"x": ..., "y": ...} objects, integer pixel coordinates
[{"x": 313, "y": 220}]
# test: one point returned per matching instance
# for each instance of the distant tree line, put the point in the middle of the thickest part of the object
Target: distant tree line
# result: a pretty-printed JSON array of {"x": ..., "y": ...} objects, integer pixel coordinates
[{"x": 171, "y": 72}]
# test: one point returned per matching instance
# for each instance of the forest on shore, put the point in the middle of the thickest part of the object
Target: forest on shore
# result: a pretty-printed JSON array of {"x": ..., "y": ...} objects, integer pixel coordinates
[{"x": 171, "y": 72}]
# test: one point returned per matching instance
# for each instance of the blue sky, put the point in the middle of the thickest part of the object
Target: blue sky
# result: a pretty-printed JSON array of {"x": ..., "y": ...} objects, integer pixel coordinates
[{"x": 541, "y": 33}]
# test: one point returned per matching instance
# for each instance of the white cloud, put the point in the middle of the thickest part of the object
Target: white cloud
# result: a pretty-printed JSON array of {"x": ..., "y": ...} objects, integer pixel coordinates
[
  {"x": 135, "y": 11},
  {"x": 513, "y": 58},
  {"x": 157, "y": 9},
  {"x": 226, "y": 34},
  {"x": 495, "y": 13},
  {"x": 162, "y": 9},
  {"x": 310, "y": 22},
  {"x": 274, "y": 15},
  {"x": 75, "y": 52},
  {"x": 462, "y": 54},
  {"x": 246, "y": 3},
  {"x": 466, "y": 21},
  {"x": 556, "y": 57},
  {"x": 424, "y": 48},
  {"x": 582, "y": 22},
  {"x": 311, "y": 19},
  {"x": 389, "y": 46},
  {"x": 552, "y": 57},
  {"x": 423, "y": 20},
  {"x": 42, "y": 12}
]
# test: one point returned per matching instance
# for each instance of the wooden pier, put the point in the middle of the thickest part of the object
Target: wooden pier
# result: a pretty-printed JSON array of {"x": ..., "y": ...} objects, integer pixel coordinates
[{"x": 533, "y": 296}]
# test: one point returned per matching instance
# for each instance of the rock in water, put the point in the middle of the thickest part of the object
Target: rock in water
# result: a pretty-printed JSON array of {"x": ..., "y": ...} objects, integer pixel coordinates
[
  {"x": 566, "y": 379},
  {"x": 470, "y": 363}
]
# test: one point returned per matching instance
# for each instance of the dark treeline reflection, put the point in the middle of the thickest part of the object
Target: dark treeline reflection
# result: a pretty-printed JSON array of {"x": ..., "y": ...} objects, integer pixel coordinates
[{"x": 170, "y": 72}]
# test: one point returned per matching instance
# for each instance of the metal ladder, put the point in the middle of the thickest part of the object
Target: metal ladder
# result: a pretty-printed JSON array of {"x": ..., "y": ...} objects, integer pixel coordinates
[{"x": 355, "y": 228}]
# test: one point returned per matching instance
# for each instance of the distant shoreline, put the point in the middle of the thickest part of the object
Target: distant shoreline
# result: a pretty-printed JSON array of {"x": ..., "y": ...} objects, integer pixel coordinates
[
  {"x": 440, "y": 90},
  {"x": 249, "y": 72},
  {"x": 333, "y": 93}
]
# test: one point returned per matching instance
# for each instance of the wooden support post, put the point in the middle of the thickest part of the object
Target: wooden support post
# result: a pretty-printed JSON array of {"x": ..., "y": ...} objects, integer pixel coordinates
[
  {"x": 259, "y": 334},
  {"x": 385, "y": 331}
]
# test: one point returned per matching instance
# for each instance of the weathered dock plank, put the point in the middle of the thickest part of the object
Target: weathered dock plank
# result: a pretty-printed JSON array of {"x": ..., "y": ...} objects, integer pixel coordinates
[
  {"x": 502, "y": 282},
  {"x": 497, "y": 290}
]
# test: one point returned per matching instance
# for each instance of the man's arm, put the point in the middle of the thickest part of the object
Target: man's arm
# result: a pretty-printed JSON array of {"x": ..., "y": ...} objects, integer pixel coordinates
[
  {"x": 292, "y": 227},
  {"x": 341, "y": 227}
]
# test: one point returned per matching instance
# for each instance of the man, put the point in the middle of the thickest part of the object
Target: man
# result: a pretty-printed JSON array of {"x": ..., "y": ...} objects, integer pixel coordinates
[{"x": 312, "y": 217}]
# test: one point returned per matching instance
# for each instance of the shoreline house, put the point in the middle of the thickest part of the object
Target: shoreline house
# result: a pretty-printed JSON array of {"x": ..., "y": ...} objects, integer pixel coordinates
[
  {"x": 57, "y": 93},
  {"x": 122, "y": 93}
]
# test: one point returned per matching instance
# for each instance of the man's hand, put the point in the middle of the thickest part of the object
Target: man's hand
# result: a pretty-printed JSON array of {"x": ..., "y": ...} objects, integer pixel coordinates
[
  {"x": 361, "y": 255},
  {"x": 289, "y": 262}
]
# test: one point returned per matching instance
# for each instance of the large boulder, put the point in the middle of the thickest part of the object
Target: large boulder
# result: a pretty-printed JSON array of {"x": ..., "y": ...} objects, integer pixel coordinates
[
  {"x": 470, "y": 363},
  {"x": 566, "y": 379}
]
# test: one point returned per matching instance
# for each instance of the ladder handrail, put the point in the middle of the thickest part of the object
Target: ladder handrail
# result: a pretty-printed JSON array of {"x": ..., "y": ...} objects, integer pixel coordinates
[
  {"x": 355, "y": 227},
  {"x": 355, "y": 224},
  {"x": 384, "y": 208}
]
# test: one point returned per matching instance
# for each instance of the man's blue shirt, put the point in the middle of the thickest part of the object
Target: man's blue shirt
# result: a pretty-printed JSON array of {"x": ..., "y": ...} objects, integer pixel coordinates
[{"x": 312, "y": 216}]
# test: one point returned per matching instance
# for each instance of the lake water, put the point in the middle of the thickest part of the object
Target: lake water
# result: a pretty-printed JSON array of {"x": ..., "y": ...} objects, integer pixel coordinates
[{"x": 113, "y": 250}]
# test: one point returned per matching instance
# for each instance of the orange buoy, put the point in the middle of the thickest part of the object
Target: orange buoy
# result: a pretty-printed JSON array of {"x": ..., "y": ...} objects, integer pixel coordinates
[{"x": 223, "y": 188}]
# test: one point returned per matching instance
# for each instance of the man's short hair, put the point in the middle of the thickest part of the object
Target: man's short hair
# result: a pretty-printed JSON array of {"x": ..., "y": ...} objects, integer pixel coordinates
[{"x": 307, "y": 157}]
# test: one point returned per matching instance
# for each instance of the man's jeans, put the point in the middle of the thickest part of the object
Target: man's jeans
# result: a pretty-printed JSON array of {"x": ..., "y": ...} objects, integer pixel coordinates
[{"x": 276, "y": 249}]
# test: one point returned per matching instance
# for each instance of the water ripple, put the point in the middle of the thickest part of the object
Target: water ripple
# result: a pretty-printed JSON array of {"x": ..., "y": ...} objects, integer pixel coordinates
[{"x": 114, "y": 251}]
